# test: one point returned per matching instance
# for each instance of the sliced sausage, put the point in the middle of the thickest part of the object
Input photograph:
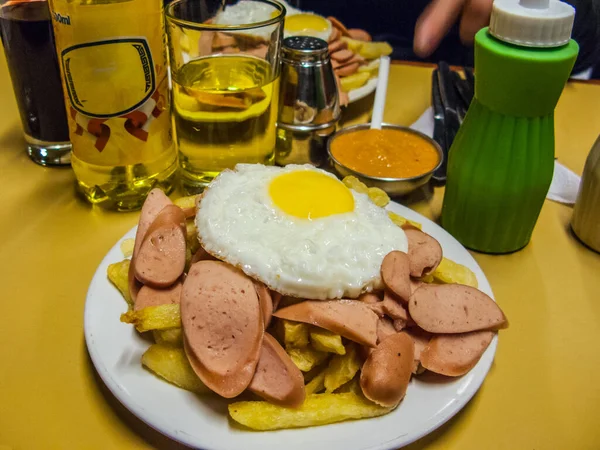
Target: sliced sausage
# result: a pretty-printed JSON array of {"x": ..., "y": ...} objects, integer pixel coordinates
[
  {"x": 335, "y": 35},
  {"x": 454, "y": 308},
  {"x": 359, "y": 35},
  {"x": 455, "y": 354},
  {"x": 149, "y": 296},
  {"x": 275, "y": 298},
  {"x": 339, "y": 25},
  {"x": 414, "y": 285},
  {"x": 265, "y": 302},
  {"x": 393, "y": 309},
  {"x": 347, "y": 70},
  {"x": 424, "y": 253},
  {"x": 395, "y": 273},
  {"x": 202, "y": 255},
  {"x": 386, "y": 373},
  {"x": 277, "y": 379},
  {"x": 154, "y": 204},
  {"x": 421, "y": 340},
  {"x": 337, "y": 45},
  {"x": 385, "y": 328},
  {"x": 342, "y": 55},
  {"x": 161, "y": 257},
  {"x": 222, "y": 326},
  {"x": 349, "y": 318}
]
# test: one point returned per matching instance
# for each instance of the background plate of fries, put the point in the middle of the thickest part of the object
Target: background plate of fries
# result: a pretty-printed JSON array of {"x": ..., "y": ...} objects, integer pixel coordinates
[
  {"x": 363, "y": 91},
  {"x": 202, "y": 421}
]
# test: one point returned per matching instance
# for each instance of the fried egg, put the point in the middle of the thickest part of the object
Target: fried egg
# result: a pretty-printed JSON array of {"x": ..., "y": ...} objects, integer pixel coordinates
[
  {"x": 307, "y": 24},
  {"x": 297, "y": 229},
  {"x": 245, "y": 12}
]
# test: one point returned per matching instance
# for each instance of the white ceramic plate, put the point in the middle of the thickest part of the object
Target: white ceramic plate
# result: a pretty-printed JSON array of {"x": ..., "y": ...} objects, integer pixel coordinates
[
  {"x": 363, "y": 91},
  {"x": 116, "y": 350}
]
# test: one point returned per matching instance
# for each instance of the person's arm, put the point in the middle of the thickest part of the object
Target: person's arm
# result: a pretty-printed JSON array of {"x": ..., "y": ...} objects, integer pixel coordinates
[{"x": 439, "y": 16}]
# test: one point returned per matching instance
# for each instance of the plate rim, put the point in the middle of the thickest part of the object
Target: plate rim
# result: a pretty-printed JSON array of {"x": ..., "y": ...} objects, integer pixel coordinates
[
  {"x": 154, "y": 421},
  {"x": 359, "y": 93}
]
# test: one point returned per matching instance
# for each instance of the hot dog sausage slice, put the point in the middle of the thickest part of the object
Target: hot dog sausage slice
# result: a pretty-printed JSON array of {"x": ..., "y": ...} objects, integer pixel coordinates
[
  {"x": 421, "y": 340},
  {"x": 454, "y": 308},
  {"x": 222, "y": 326},
  {"x": 149, "y": 296},
  {"x": 386, "y": 372},
  {"x": 395, "y": 273},
  {"x": 385, "y": 328},
  {"x": 455, "y": 354},
  {"x": 265, "y": 302},
  {"x": 277, "y": 379},
  {"x": 154, "y": 203},
  {"x": 351, "y": 319},
  {"x": 424, "y": 253},
  {"x": 161, "y": 257}
]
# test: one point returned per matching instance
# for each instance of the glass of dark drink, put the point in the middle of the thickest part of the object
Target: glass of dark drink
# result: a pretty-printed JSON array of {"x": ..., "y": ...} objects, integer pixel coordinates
[{"x": 26, "y": 31}]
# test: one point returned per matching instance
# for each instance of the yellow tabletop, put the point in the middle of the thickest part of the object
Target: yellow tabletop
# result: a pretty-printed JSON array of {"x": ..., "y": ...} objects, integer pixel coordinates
[{"x": 541, "y": 393}]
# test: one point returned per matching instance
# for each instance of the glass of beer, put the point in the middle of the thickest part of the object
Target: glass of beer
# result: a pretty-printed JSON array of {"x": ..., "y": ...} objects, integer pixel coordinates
[{"x": 225, "y": 68}]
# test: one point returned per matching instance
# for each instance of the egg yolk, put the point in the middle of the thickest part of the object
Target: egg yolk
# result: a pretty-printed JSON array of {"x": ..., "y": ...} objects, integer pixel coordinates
[
  {"x": 310, "y": 195},
  {"x": 300, "y": 23}
]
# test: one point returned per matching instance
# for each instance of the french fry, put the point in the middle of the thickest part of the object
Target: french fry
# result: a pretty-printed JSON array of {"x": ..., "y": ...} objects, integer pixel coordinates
[
  {"x": 161, "y": 317},
  {"x": 451, "y": 272},
  {"x": 355, "y": 184},
  {"x": 191, "y": 238},
  {"x": 372, "y": 68},
  {"x": 378, "y": 196},
  {"x": 342, "y": 368},
  {"x": 316, "y": 385},
  {"x": 186, "y": 202},
  {"x": 374, "y": 50},
  {"x": 427, "y": 278},
  {"x": 171, "y": 364},
  {"x": 354, "y": 81},
  {"x": 326, "y": 341},
  {"x": 172, "y": 336},
  {"x": 351, "y": 386},
  {"x": 306, "y": 358},
  {"x": 294, "y": 334},
  {"x": 317, "y": 409},
  {"x": 127, "y": 247},
  {"x": 353, "y": 44},
  {"x": 118, "y": 275},
  {"x": 399, "y": 220}
]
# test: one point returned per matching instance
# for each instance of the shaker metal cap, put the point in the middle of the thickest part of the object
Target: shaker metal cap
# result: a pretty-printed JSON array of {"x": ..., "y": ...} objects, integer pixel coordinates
[{"x": 304, "y": 49}]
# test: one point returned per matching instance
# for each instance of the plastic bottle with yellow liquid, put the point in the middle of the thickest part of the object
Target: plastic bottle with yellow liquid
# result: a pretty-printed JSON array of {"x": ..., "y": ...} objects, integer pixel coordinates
[{"x": 113, "y": 62}]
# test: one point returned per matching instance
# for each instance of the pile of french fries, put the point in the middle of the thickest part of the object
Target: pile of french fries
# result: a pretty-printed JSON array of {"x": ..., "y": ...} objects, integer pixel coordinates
[{"x": 330, "y": 364}]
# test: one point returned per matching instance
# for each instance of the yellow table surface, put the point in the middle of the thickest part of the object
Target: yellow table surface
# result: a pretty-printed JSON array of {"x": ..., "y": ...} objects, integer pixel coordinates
[{"x": 542, "y": 391}]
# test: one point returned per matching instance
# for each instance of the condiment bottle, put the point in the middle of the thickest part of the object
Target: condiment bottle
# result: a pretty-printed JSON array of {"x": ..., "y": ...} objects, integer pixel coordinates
[
  {"x": 586, "y": 214},
  {"x": 113, "y": 61},
  {"x": 501, "y": 162}
]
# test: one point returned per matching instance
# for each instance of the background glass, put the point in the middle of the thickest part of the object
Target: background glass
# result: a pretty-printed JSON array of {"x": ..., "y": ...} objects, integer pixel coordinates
[
  {"x": 26, "y": 30},
  {"x": 225, "y": 69}
]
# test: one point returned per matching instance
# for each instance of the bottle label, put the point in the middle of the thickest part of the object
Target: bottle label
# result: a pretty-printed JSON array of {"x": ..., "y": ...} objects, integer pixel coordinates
[
  {"x": 115, "y": 80},
  {"x": 89, "y": 74}
]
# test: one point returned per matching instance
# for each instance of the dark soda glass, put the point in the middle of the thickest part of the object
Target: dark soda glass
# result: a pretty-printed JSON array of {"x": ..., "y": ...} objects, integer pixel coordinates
[{"x": 26, "y": 31}]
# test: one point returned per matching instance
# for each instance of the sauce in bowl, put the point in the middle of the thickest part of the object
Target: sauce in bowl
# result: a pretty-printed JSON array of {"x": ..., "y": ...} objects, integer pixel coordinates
[{"x": 385, "y": 153}]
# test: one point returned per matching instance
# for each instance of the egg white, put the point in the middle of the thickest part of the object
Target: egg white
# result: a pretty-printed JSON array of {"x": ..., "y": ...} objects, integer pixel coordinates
[{"x": 337, "y": 256}]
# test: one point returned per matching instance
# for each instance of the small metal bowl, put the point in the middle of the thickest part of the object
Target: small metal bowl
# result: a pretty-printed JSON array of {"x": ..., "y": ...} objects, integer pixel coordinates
[{"x": 393, "y": 186}]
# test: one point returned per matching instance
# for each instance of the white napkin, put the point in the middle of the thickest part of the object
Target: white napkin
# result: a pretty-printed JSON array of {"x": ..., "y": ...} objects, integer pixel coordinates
[{"x": 565, "y": 183}]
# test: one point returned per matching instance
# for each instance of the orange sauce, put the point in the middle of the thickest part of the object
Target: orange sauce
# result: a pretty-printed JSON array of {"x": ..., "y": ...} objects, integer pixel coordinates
[{"x": 385, "y": 153}]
